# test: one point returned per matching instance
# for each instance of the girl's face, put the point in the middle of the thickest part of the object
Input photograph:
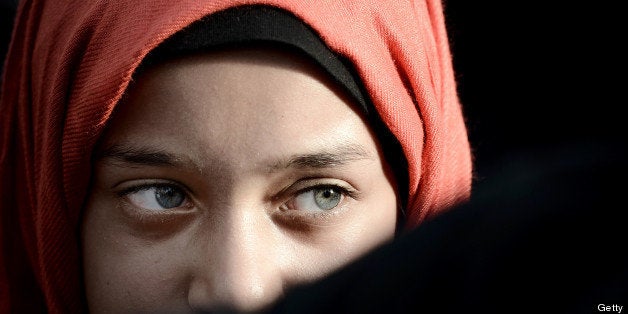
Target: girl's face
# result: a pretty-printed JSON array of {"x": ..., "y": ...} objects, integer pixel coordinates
[{"x": 226, "y": 178}]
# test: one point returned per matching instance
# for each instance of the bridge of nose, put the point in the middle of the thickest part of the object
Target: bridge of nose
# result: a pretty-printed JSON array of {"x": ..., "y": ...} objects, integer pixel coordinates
[{"x": 241, "y": 265}]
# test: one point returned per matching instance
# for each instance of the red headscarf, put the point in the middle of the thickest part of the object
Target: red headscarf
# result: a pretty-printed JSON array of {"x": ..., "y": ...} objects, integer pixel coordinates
[{"x": 70, "y": 62}]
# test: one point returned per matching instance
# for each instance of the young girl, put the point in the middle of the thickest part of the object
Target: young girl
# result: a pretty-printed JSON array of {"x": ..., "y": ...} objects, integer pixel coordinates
[{"x": 204, "y": 155}]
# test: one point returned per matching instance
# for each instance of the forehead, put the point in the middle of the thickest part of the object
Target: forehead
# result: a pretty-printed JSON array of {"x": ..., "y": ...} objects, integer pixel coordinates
[{"x": 245, "y": 102}]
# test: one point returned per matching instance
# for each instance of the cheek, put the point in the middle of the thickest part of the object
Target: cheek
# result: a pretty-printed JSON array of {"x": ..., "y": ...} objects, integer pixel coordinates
[
  {"x": 374, "y": 221},
  {"x": 371, "y": 223},
  {"x": 122, "y": 272}
]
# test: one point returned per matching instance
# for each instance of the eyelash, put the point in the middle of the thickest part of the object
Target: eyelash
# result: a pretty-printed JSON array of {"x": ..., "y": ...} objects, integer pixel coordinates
[
  {"x": 156, "y": 185},
  {"x": 344, "y": 191},
  {"x": 147, "y": 186}
]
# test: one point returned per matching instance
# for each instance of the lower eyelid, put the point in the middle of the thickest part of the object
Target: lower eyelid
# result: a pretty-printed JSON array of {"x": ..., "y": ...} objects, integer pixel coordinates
[
  {"x": 319, "y": 215},
  {"x": 151, "y": 226},
  {"x": 301, "y": 221},
  {"x": 155, "y": 219}
]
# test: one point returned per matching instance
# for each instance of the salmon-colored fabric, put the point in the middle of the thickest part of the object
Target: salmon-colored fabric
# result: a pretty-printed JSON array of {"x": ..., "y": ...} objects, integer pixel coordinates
[{"x": 70, "y": 62}]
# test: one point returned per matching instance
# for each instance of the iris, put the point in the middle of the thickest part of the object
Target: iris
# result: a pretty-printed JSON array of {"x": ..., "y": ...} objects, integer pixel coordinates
[
  {"x": 168, "y": 196},
  {"x": 326, "y": 198}
]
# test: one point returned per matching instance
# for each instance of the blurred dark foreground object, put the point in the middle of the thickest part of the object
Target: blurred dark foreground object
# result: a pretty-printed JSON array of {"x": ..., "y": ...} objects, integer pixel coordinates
[{"x": 548, "y": 235}]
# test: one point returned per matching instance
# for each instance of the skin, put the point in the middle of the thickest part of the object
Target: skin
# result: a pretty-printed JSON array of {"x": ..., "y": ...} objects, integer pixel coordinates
[{"x": 244, "y": 143}]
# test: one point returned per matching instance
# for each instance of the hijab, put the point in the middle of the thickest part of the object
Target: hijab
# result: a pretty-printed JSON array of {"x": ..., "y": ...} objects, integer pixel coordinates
[{"x": 70, "y": 62}]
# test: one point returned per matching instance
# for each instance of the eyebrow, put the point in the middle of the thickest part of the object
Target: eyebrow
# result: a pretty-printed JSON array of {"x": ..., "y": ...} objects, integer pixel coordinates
[
  {"x": 337, "y": 156},
  {"x": 142, "y": 156},
  {"x": 151, "y": 156}
]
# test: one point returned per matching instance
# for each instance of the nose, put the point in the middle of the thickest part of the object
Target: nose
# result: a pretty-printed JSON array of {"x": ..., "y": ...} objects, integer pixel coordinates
[{"x": 239, "y": 267}]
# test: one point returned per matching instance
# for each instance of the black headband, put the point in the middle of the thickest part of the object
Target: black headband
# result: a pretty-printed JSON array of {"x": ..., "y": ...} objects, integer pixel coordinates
[{"x": 257, "y": 24}]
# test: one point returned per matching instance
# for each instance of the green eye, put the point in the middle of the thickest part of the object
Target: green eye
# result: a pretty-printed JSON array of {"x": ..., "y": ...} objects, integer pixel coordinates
[
  {"x": 327, "y": 198},
  {"x": 317, "y": 199}
]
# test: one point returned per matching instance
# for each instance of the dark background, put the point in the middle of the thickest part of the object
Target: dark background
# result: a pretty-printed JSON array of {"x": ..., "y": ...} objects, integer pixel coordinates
[
  {"x": 7, "y": 12},
  {"x": 536, "y": 77},
  {"x": 531, "y": 77}
]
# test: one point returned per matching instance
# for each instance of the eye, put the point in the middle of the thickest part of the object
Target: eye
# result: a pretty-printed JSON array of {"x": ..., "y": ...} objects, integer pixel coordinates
[
  {"x": 318, "y": 199},
  {"x": 157, "y": 197}
]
